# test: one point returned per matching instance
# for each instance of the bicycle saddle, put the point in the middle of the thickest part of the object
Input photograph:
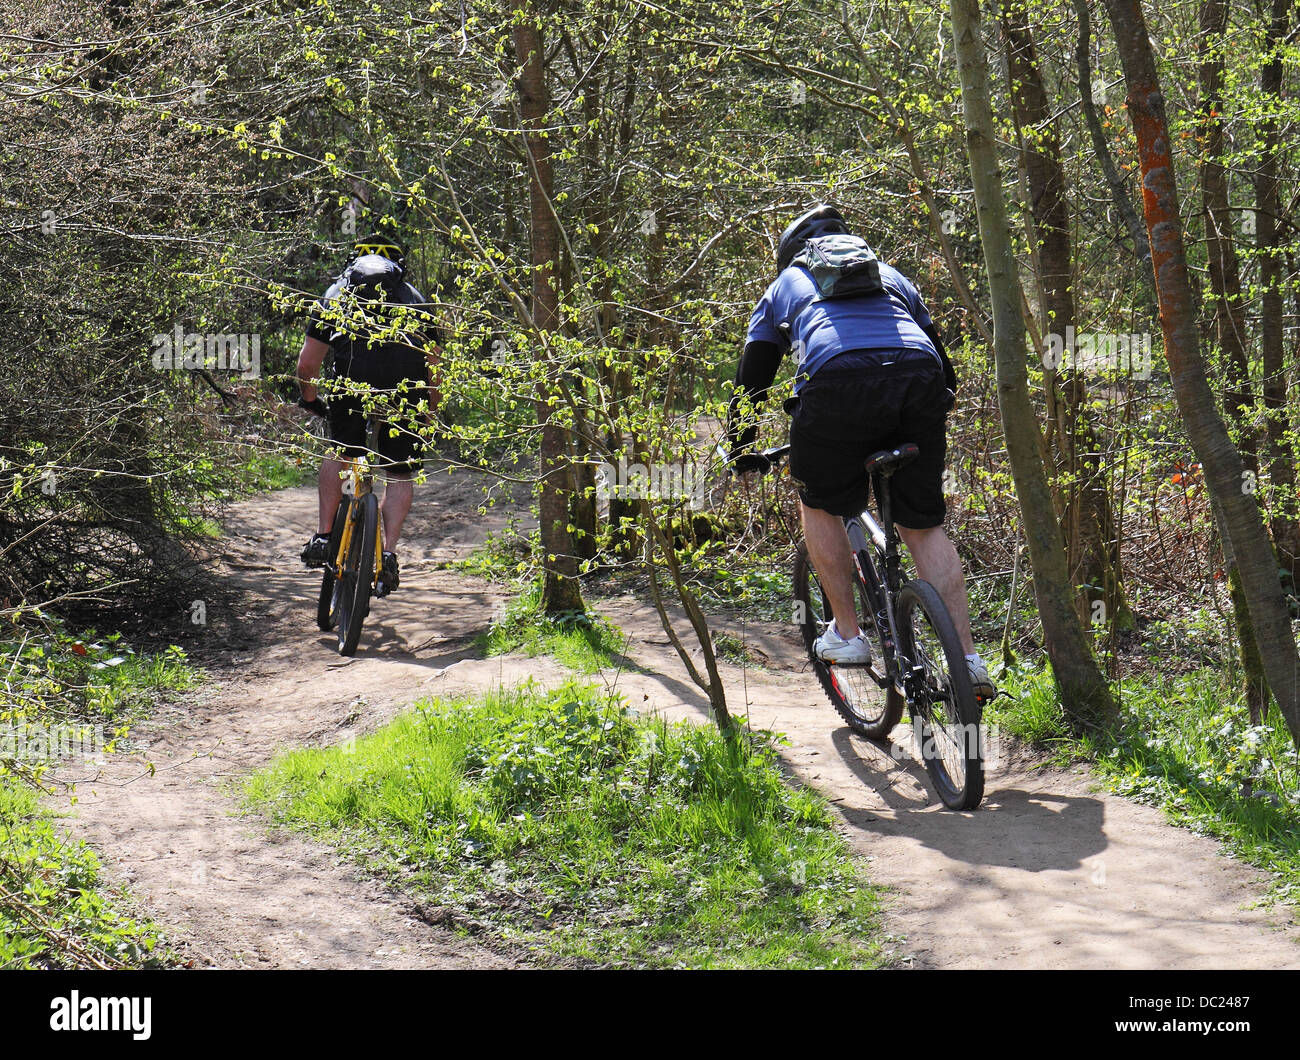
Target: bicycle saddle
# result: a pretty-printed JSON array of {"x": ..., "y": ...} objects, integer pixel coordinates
[{"x": 887, "y": 461}]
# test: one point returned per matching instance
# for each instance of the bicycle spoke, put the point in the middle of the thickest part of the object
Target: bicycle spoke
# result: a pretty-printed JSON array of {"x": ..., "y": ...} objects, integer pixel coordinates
[{"x": 948, "y": 713}]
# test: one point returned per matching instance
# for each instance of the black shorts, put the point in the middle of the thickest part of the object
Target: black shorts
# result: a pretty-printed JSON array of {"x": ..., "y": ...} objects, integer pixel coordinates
[
  {"x": 397, "y": 380},
  {"x": 856, "y": 405}
]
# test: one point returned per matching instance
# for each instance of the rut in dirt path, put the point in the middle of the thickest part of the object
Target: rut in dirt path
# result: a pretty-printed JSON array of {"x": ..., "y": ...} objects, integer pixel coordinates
[
  {"x": 1051, "y": 872},
  {"x": 231, "y": 891}
]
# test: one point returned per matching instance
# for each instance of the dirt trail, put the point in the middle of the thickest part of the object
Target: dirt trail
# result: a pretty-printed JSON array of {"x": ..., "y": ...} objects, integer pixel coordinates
[{"x": 1050, "y": 873}]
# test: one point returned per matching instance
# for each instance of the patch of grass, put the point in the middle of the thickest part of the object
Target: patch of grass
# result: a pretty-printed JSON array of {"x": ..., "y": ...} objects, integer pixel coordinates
[
  {"x": 584, "y": 643},
  {"x": 1033, "y": 714},
  {"x": 1185, "y": 744},
  {"x": 63, "y": 692},
  {"x": 52, "y": 674},
  {"x": 503, "y": 557},
  {"x": 53, "y": 913},
  {"x": 560, "y": 823},
  {"x": 761, "y": 591},
  {"x": 265, "y": 471},
  {"x": 732, "y": 648},
  {"x": 199, "y": 526}
]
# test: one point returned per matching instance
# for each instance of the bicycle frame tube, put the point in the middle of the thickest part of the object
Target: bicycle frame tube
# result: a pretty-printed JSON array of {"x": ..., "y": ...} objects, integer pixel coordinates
[
  {"x": 356, "y": 474},
  {"x": 878, "y": 541}
]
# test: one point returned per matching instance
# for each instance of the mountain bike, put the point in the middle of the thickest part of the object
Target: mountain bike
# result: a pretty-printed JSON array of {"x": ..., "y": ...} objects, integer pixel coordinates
[
  {"x": 355, "y": 552},
  {"x": 917, "y": 659}
]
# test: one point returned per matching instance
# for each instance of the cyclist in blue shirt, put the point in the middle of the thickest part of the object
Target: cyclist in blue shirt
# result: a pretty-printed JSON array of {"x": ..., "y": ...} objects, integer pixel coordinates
[{"x": 871, "y": 373}]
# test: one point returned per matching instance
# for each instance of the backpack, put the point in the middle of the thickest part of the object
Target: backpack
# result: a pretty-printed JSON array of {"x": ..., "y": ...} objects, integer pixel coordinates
[{"x": 841, "y": 265}]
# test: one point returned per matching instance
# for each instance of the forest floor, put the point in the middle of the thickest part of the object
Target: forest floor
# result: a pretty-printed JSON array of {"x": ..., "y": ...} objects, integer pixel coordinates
[{"x": 1050, "y": 872}]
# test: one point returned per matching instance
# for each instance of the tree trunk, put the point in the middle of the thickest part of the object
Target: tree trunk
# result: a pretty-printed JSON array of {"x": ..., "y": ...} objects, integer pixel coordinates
[
  {"x": 1268, "y": 208},
  {"x": 1092, "y": 550},
  {"x": 1229, "y": 320},
  {"x": 1114, "y": 179},
  {"x": 560, "y": 590},
  {"x": 1085, "y": 696},
  {"x": 1222, "y": 464},
  {"x": 1225, "y": 275}
]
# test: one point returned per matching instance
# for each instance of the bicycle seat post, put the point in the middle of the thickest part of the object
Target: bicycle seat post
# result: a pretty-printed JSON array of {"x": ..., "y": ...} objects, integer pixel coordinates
[{"x": 880, "y": 486}]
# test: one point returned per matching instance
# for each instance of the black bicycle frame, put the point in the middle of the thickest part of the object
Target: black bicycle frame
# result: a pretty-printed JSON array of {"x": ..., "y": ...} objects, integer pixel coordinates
[{"x": 869, "y": 540}]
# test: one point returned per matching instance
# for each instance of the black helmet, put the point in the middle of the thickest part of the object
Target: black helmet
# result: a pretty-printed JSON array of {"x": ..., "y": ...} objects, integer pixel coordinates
[
  {"x": 373, "y": 276},
  {"x": 819, "y": 221}
]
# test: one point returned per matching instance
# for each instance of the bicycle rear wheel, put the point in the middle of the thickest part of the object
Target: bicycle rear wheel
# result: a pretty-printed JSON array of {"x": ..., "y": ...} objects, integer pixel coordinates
[
  {"x": 327, "y": 606},
  {"x": 867, "y": 708},
  {"x": 358, "y": 574},
  {"x": 945, "y": 710}
]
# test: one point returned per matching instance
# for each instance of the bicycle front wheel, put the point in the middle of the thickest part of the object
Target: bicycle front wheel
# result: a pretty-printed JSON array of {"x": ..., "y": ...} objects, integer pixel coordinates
[
  {"x": 358, "y": 573},
  {"x": 944, "y": 707},
  {"x": 869, "y": 710}
]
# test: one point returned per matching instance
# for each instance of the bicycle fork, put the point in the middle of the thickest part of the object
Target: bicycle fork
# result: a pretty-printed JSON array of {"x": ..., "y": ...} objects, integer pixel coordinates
[{"x": 340, "y": 557}]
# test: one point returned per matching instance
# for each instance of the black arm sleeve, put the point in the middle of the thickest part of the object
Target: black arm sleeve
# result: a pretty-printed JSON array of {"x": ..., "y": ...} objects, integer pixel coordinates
[
  {"x": 950, "y": 376},
  {"x": 754, "y": 376}
]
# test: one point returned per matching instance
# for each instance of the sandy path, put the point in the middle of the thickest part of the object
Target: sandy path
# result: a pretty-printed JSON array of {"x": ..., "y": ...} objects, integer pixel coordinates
[{"x": 1050, "y": 873}]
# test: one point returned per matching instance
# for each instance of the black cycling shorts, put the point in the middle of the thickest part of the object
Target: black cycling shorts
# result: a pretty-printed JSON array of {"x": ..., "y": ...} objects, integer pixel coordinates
[
  {"x": 857, "y": 404},
  {"x": 397, "y": 379}
]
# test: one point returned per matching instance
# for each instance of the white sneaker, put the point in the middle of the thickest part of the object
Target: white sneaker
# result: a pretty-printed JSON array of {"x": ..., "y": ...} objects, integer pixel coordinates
[
  {"x": 979, "y": 677},
  {"x": 832, "y": 648}
]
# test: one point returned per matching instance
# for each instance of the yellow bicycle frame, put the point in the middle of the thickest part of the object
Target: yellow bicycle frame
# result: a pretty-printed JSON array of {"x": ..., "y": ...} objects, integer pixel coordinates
[{"x": 356, "y": 474}]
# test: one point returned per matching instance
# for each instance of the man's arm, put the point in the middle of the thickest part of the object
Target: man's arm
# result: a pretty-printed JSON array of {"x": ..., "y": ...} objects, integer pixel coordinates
[
  {"x": 309, "y": 365},
  {"x": 754, "y": 377},
  {"x": 949, "y": 373}
]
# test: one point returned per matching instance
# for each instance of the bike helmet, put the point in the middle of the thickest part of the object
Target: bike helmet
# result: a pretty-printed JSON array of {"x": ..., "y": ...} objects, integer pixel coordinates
[
  {"x": 372, "y": 276},
  {"x": 386, "y": 246},
  {"x": 821, "y": 220}
]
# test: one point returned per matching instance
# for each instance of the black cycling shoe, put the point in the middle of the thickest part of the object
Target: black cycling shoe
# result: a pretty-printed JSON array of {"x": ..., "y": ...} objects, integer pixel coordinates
[
  {"x": 316, "y": 552},
  {"x": 388, "y": 580}
]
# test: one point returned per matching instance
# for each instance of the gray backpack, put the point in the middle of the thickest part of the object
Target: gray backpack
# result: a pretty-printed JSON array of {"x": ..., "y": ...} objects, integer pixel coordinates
[{"x": 841, "y": 265}]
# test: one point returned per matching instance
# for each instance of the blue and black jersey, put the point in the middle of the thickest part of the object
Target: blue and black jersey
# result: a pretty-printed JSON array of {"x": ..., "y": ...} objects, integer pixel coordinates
[{"x": 790, "y": 316}]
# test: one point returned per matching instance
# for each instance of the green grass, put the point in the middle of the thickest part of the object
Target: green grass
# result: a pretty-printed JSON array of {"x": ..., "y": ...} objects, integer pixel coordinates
[
  {"x": 265, "y": 471},
  {"x": 503, "y": 557},
  {"x": 1186, "y": 744},
  {"x": 69, "y": 690},
  {"x": 582, "y": 642},
  {"x": 54, "y": 675},
  {"x": 53, "y": 913},
  {"x": 559, "y": 823},
  {"x": 733, "y": 649}
]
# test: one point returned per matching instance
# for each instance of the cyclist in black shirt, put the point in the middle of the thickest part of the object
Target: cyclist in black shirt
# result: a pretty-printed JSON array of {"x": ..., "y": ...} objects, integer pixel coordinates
[{"x": 371, "y": 321}]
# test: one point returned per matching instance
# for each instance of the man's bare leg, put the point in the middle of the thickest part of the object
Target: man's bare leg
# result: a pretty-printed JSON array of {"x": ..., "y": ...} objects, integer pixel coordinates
[
  {"x": 329, "y": 490},
  {"x": 828, "y": 547},
  {"x": 937, "y": 563},
  {"x": 398, "y": 493}
]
